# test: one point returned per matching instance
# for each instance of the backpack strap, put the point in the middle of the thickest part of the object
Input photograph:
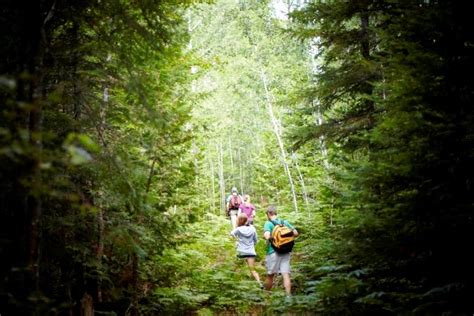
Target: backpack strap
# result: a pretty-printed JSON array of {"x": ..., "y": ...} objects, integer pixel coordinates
[{"x": 282, "y": 222}]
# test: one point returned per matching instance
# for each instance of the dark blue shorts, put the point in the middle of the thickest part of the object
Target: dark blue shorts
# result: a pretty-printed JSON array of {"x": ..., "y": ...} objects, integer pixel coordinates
[{"x": 245, "y": 256}]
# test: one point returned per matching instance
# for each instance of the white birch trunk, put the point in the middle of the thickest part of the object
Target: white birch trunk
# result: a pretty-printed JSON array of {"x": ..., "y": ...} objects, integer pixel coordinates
[
  {"x": 300, "y": 177},
  {"x": 241, "y": 171},
  {"x": 313, "y": 50},
  {"x": 277, "y": 131},
  {"x": 221, "y": 177},
  {"x": 213, "y": 189},
  {"x": 231, "y": 156},
  {"x": 195, "y": 152},
  {"x": 322, "y": 143}
]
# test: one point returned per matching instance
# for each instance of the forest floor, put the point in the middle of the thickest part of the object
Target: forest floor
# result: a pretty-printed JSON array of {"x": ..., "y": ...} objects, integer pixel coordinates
[{"x": 216, "y": 282}]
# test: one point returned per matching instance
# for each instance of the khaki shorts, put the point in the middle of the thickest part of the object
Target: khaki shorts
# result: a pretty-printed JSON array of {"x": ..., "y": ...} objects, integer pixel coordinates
[
  {"x": 233, "y": 218},
  {"x": 278, "y": 263}
]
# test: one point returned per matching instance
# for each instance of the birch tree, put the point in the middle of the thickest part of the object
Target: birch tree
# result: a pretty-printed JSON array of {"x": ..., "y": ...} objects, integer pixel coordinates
[{"x": 278, "y": 136}]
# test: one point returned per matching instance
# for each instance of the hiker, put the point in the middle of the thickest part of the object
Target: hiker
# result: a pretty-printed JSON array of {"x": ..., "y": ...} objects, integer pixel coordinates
[
  {"x": 247, "y": 208},
  {"x": 276, "y": 262},
  {"x": 233, "y": 202},
  {"x": 247, "y": 238}
]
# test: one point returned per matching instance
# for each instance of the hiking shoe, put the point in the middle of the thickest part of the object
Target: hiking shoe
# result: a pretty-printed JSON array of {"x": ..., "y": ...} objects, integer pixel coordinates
[
  {"x": 288, "y": 300},
  {"x": 260, "y": 284}
]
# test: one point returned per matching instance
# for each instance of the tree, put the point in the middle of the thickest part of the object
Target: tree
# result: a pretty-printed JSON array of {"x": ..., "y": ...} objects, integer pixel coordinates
[
  {"x": 95, "y": 108},
  {"x": 384, "y": 80},
  {"x": 243, "y": 117}
]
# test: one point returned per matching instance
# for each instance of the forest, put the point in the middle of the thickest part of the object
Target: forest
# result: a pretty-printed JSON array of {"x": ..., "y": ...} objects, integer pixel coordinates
[{"x": 125, "y": 124}]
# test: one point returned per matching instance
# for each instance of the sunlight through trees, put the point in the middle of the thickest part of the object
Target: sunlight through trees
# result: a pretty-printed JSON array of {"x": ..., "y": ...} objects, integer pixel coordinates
[{"x": 124, "y": 126}]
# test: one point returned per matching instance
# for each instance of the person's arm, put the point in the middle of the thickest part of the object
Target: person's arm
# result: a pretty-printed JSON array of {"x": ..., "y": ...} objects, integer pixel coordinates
[
  {"x": 267, "y": 228},
  {"x": 295, "y": 232},
  {"x": 255, "y": 239},
  {"x": 234, "y": 233},
  {"x": 266, "y": 235}
]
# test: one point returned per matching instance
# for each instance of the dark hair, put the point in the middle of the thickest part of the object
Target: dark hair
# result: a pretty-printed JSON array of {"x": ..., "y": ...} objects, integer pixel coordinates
[{"x": 272, "y": 210}]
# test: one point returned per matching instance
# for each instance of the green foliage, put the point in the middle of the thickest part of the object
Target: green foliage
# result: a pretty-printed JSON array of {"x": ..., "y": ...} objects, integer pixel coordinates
[
  {"x": 236, "y": 132},
  {"x": 123, "y": 125},
  {"x": 382, "y": 87},
  {"x": 94, "y": 151},
  {"x": 204, "y": 272}
]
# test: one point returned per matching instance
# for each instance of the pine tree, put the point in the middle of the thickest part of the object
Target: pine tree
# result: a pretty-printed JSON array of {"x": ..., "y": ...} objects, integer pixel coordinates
[{"x": 399, "y": 153}]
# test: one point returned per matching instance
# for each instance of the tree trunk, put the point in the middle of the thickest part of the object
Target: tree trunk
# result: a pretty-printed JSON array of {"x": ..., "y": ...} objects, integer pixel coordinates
[
  {"x": 277, "y": 132},
  {"x": 33, "y": 200},
  {"x": 33, "y": 206},
  {"x": 74, "y": 75},
  {"x": 322, "y": 143},
  {"x": 87, "y": 305},
  {"x": 241, "y": 171},
  {"x": 213, "y": 189},
  {"x": 231, "y": 157},
  {"x": 313, "y": 50},
  {"x": 100, "y": 214},
  {"x": 300, "y": 177},
  {"x": 100, "y": 249},
  {"x": 364, "y": 35},
  {"x": 221, "y": 177},
  {"x": 150, "y": 176},
  {"x": 195, "y": 152},
  {"x": 365, "y": 52},
  {"x": 132, "y": 309}
]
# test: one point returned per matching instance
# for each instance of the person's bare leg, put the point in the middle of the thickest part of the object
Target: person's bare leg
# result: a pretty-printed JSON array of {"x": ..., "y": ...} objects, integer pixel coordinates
[
  {"x": 269, "y": 282},
  {"x": 233, "y": 219},
  {"x": 287, "y": 283},
  {"x": 251, "y": 264}
]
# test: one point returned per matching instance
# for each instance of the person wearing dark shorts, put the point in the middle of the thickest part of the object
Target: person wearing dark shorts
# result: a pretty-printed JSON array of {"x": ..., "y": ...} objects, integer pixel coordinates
[{"x": 246, "y": 239}]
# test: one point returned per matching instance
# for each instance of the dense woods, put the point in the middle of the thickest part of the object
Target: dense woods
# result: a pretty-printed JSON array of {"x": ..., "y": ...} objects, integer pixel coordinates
[
  {"x": 393, "y": 83},
  {"x": 124, "y": 124}
]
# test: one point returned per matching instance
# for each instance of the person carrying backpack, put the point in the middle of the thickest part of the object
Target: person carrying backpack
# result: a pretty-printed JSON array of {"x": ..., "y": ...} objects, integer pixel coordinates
[
  {"x": 233, "y": 202},
  {"x": 280, "y": 238}
]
